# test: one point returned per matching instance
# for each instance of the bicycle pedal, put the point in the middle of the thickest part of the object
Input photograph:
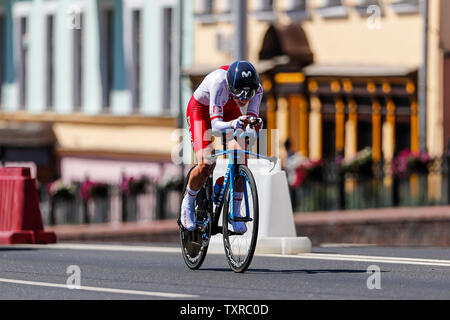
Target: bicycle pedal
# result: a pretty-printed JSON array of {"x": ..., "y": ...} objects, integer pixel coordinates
[
  {"x": 233, "y": 233},
  {"x": 241, "y": 219}
]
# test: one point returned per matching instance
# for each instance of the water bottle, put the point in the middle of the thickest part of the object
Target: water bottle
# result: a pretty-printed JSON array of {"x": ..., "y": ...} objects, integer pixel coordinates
[{"x": 217, "y": 188}]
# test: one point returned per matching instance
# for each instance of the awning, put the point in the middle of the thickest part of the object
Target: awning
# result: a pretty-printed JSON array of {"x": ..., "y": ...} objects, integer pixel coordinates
[
  {"x": 290, "y": 41},
  {"x": 20, "y": 134}
]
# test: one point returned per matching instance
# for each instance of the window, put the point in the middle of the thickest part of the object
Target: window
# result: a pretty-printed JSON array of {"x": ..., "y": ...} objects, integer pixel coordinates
[
  {"x": 333, "y": 9},
  {"x": 22, "y": 58},
  {"x": 167, "y": 57},
  {"x": 297, "y": 9},
  {"x": 78, "y": 34},
  {"x": 136, "y": 52},
  {"x": 205, "y": 7},
  {"x": 296, "y": 5},
  {"x": 364, "y": 7},
  {"x": 2, "y": 53},
  {"x": 224, "y": 42},
  {"x": 224, "y": 11},
  {"x": 49, "y": 63},
  {"x": 107, "y": 52},
  {"x": 264, "y": 5},
  {"x": 406, "y": 6},
  {"x": 226, "y": 6},
  {"x": 133, "y": 47},
  {"x": 263, "y": 10},
  {"x": 205, "y": 11}
]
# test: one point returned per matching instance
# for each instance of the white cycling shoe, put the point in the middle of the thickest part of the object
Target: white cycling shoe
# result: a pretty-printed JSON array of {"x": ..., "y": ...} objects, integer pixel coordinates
[
  {"x": 238, "y": 226},
  {"x": 187, "y": 215}
]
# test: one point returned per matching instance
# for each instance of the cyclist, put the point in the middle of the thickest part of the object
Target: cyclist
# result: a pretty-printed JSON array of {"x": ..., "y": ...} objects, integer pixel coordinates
[{"x": 216, "y": 105}]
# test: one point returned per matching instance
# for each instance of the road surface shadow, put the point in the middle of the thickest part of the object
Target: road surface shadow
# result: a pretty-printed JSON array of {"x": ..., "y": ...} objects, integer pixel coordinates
[
  {"x": 17, "y": 249},
  {"x": 305, "y": 271}
]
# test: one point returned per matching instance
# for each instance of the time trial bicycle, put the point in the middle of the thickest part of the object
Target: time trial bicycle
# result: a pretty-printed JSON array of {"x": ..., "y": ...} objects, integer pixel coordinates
[{"x": 212, "y": 201}]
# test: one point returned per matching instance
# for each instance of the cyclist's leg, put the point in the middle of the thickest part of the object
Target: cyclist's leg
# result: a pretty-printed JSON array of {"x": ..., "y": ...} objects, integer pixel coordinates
[
  {"x": 203, "y": 169},
  {"x": 238, "y": 193},
  {"x": 200, "y": 130},
  {"x": 199, "y": 127},
  {"x": 237, "y": 144}
]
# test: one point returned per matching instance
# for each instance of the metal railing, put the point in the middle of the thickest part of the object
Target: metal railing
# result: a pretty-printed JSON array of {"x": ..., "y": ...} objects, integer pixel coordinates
[
  {"x": 341, "y": 191},
  {"x": 154, "y": 203}
]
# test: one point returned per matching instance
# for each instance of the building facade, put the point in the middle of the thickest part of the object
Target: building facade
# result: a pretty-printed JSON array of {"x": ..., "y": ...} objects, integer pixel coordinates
[
  {"x": 91, "y": 88},
  {"x": 339, "y": 76}
]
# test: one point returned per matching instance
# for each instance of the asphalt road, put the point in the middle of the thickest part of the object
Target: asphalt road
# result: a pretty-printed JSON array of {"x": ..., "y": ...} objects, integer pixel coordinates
[{"x": 157, "y": 271}]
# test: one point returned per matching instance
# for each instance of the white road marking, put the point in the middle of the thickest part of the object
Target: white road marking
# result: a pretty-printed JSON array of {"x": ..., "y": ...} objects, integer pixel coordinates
[
  {"x": 100, "y": 247},
  {"x": 99, "y": 289},
  {"x": 361, "y": 258},
  {"x": 316, "y": 256}
]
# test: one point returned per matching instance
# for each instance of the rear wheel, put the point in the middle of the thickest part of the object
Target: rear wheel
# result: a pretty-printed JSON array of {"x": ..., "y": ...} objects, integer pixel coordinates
[
  {"x": 240, "y": 247},
  {"x": 194, "y": 244}
]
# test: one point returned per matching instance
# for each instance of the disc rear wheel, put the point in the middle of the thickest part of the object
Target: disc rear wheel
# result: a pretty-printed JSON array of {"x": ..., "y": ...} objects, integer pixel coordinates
[{"x": 194, "y": 244}]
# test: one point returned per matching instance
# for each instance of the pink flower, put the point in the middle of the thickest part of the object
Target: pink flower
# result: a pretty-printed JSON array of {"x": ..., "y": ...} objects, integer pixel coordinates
[{"x": 85, "y": 190}]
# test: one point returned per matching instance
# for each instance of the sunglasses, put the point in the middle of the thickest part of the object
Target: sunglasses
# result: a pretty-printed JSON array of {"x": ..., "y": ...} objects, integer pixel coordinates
[{"x": 242, "y": 94}]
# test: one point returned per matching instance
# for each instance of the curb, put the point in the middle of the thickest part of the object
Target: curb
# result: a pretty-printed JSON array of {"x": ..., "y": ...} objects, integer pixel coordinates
[{"x": 268, "y": 245}]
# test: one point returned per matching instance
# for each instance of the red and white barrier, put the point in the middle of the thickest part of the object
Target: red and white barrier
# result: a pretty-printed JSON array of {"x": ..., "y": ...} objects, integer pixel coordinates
[
  {"x": 277, "y": 233},
  {"x": 20, "y": 215}
]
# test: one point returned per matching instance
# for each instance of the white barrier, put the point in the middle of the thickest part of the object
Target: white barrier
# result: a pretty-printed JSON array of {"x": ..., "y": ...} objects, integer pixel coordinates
[{"x": 277, "y": 233}]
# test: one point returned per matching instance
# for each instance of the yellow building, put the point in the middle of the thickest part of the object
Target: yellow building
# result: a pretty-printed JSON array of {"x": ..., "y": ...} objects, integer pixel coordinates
[{"x": 338, "y": 75}]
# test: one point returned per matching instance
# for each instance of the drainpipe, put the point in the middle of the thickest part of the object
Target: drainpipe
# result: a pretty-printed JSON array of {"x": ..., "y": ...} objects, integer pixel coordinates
[
  {"x": 423, "y": 80},
  {"x": 180, "y": 118},
  {"x": 240, "y": 21}
]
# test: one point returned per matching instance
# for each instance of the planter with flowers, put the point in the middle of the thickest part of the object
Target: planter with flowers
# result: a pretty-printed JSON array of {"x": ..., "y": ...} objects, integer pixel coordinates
[
  {"x": 132, "y": 187},
  {"x": 62, "y": 209},
  {"x": 408, "y": 162},
  {"x": 58, "y": 190},
  {"x": 360, "y": 166},
  {"x": 91, "y": 189},
  {"x": 301, "y": 170},
  {"x": 98, "y": 192}
]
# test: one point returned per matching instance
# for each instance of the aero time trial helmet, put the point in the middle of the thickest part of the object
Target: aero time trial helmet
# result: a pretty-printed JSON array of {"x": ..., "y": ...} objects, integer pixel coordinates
[{"x": 243, "y": 80}]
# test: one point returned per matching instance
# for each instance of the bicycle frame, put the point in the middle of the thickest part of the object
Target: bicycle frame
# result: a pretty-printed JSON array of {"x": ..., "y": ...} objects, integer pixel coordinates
[{"x": 229, "y": 179}]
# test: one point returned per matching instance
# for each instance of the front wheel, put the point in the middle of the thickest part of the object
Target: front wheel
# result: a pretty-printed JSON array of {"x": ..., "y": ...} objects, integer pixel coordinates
[{"x": 240, "y": 247}]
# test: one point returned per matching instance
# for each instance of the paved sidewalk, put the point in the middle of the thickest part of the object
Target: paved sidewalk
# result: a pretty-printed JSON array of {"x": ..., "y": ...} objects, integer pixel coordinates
[
  {"x": 153, "y": 231},
  {"x": 415, "y": 226},
  {"x": 374, "y": 215}
]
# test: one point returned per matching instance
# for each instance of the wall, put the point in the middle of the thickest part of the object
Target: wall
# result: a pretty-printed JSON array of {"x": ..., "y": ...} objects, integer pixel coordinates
[{"x": 348, "y": 39}]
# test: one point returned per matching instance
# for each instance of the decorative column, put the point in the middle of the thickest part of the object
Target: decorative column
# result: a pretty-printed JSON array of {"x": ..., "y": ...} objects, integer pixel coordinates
[
  {"x": 351, "y": 130},
  {"x": 389, "y": 150},
  {"x": 389, "y": 133},
  {"x": 414, "y": 126},
  {"x": 376, "y": 131},
  {"x": 340, "y": 125},
  {"x": 304, "y": 125},
  {"x": 315, "y": 129},
  {"x": 271, "y": 122},
  {"x": 282, "y": 125},
  {"x": 293, "y": 119},
  {"x": 298, "y": 118},
  {"x": 390, "y": 119}
]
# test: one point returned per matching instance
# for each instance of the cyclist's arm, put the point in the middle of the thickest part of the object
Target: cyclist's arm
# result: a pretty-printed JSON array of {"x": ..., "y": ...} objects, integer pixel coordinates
[
  {"x": 218, "y": 98},
  {"x": 253, "y": 105}
]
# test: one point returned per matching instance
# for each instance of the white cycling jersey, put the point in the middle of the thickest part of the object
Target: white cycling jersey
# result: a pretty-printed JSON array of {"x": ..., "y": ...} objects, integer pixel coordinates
[{"x": 214, "y": 93}]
